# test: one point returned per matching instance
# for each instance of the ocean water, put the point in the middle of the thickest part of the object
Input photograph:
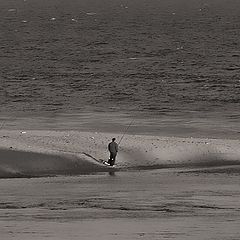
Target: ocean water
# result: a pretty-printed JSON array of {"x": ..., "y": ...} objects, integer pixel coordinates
[{"x": 171, "y": 65}]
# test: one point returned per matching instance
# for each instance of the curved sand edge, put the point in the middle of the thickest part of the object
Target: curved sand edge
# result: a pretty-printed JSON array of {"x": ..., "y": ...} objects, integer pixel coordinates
[{"x": 61, "y": 152}]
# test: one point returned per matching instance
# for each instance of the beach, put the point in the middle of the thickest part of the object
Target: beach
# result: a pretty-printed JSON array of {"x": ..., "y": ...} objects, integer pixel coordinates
[
  {"x": 37, "y": 152},
  {"x": 161, "y": 187},
  {"x": 164, "y": 75}
]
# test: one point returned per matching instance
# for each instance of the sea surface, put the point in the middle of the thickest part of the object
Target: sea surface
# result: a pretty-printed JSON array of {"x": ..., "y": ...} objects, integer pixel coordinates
[{"x": 172, "y": 65}]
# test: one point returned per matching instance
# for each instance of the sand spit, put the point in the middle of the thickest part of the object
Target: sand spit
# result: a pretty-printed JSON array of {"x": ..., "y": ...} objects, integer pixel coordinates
[{"x": 36, "y": 153}]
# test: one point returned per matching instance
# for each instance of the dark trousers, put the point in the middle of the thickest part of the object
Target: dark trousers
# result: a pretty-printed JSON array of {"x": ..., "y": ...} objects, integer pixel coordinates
[{"x": 112, "y": 158}]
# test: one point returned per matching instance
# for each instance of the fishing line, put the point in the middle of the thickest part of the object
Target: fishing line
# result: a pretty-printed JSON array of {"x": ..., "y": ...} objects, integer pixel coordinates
[{"x": 126, "y": 131}]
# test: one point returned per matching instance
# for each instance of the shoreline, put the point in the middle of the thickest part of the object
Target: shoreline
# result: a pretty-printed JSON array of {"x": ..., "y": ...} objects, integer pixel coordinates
[{"x": 39, "y": 152}]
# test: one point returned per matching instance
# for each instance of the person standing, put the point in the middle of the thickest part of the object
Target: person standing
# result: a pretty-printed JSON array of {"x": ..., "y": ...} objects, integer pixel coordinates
[{"x": 113, "y": 149}]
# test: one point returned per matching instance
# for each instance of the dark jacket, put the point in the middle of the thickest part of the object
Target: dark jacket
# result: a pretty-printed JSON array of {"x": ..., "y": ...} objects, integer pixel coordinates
[{"x": 113, "y": 147}]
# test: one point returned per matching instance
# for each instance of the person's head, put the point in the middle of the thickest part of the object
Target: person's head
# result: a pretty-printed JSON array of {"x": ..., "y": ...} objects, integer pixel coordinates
[{"x": 113, "y": 139}]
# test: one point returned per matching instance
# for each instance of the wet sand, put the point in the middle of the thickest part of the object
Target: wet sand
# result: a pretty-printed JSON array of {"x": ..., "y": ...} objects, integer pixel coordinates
[
  {"x": 161, "y": 188},
  {"x": 156, "y": 204}
]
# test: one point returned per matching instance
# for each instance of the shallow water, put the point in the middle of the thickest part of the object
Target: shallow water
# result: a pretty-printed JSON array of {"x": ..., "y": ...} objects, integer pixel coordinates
[{"x": 129, "y": 205}]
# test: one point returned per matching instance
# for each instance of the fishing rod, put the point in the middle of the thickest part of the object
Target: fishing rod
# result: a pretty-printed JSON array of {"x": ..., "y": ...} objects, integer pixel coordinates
[{"x": 126, "y": 131}]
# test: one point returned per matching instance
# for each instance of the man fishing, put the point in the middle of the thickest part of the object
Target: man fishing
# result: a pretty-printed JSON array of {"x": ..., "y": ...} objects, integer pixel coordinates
[{"x": 113, "y": 149}]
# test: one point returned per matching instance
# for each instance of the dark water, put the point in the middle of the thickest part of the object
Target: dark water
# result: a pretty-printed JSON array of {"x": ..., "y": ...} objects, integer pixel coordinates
[{"x": 165, "y": 62}]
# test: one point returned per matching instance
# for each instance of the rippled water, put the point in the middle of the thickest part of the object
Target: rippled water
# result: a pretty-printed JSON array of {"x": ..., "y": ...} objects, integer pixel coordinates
[{"x": 155, "y": 60}]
